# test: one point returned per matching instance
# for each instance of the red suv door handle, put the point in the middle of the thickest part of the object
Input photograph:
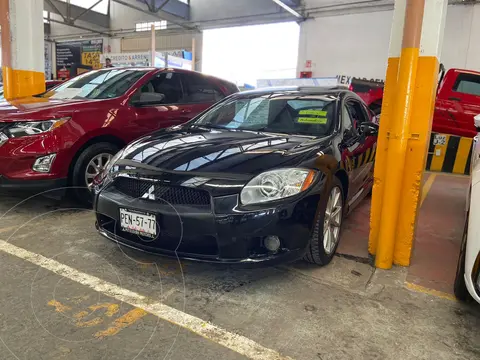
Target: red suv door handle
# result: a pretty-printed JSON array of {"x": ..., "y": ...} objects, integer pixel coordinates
[
  {"x": 186, "y": 111},
  {"x": 454, "y": 99}
]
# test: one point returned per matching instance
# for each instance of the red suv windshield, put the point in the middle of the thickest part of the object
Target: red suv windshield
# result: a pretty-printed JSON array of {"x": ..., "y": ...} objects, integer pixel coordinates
[{"x": 99, "y": 84}]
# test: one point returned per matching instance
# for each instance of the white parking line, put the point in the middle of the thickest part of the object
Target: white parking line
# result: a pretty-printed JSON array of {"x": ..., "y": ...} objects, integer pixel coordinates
[{"x": 235, "y": 342}]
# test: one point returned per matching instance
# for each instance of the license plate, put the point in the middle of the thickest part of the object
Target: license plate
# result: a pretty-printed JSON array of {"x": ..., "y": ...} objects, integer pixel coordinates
[{"x": 138, "y": 223}]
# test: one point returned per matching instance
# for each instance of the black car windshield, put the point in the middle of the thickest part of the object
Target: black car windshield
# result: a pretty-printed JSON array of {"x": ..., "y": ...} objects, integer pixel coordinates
[
  {"x": 97, "y": 84},
  {"x": 275, "y": 112}
]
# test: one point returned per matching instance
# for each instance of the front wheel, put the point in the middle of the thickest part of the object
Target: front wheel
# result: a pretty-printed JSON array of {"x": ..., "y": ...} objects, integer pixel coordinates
[
  {"x": 89, "y": 164},
  {"x": 327, "y": 228}
]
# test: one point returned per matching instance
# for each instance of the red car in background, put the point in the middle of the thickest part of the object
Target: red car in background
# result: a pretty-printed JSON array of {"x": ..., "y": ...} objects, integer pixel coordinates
[
  {"x": 66, "y": 136},
  {"x": 457, "y": 102}
]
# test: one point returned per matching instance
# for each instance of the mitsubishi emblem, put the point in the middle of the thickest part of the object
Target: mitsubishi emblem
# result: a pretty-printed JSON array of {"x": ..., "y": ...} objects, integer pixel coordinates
[{"x": 150, "y": 194}]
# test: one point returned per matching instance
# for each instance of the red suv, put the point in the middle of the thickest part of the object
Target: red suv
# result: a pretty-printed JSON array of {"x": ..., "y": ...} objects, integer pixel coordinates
[{"x": 66, "y": 136}]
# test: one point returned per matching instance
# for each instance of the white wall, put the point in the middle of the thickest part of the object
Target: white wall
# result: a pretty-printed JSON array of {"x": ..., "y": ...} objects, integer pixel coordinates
[
  {"x": 354, "y": 44},
  {"x": 357, "y": 44},
  {"x": 248, "y": 53},
  {"x": 123, "y": 17}
]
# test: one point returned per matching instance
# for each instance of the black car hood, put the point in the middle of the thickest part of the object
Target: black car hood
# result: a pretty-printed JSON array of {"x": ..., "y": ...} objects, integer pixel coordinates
[{"x": 228, "y": 152}]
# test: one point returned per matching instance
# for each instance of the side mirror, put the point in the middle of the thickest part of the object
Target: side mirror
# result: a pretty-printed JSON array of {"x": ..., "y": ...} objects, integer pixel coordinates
[
  {"x": 369, "y": 129},
  {"x": 149, "y": 98},
  {"x": 476, "y": 119}
]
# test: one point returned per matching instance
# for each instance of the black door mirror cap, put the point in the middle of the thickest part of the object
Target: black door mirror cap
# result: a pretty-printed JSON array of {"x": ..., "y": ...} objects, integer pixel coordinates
[
  {"x": 369, "y": 128},
  {"x": 149, "y": 98}
]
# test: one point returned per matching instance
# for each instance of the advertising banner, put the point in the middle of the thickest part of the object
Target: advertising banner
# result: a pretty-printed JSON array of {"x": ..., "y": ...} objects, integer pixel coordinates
[
  {"x": 127, "y": 59},
  {"x": 84, "y": 52}
]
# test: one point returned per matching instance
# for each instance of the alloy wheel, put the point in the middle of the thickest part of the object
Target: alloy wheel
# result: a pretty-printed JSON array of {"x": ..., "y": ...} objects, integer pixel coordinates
[
  {"x": 95, "y": 167},
  {"x": 333, "y": 220}
]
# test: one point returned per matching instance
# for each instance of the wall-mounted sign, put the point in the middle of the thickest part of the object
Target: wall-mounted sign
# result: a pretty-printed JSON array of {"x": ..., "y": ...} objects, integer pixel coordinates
[
  {"x": 128, "y": 59},
  {"x": 347, "y": 80},
  {"x": 308, "y": 64},
  {"x": 84, "y": 52}
]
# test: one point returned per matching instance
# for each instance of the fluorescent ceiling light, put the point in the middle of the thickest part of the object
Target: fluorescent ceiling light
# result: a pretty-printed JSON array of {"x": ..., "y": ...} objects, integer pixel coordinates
[{"x": 288, "y": 8}]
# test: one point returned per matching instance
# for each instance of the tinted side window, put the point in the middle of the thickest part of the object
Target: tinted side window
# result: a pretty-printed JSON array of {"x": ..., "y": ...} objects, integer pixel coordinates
[
  {"x": 199, "y": 90},
  {"x": 346, "y": 119},
  {"x": 357, "y": 113},
  {"x": 468, "y": 84},
  {"x": 168, "y": 84}
]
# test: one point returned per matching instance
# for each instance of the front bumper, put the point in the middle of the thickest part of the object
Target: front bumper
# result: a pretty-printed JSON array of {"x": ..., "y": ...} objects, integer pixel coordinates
[
  {"x": 18, "y": 155},
  {"x": 7, "y": 184},
  {"x": 208, "y": 235}
]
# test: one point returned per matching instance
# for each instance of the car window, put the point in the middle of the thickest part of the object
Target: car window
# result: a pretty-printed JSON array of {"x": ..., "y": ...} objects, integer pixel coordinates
[
  {"x": 275, "y": 113},
  {"x": 468, "y": 84},
  {"x": 167, "y": 84},
  {"x": 346, "y": 119},
  {"x": 97, "y": 84},
  {"x": 199, "y": 89},
  {"x": 356, "y": 112}
]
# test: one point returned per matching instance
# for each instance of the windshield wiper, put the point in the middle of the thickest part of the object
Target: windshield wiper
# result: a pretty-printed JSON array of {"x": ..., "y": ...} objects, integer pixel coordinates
[{"x": 210, "y": 126}]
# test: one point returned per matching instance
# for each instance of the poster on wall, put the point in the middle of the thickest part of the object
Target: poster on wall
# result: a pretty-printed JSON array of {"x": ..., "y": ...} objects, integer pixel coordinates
[{"x": 85, "y": 52}]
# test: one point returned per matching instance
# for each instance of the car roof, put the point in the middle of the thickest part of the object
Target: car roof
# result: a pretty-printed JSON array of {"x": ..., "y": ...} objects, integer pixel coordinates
[
  {"x": 155, "y": 69},
  {"x": 307, "y": 90}
]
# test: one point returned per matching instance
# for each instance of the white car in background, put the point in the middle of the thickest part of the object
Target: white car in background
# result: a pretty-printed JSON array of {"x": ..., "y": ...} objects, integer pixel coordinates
[{"x": 467, "y": 280}]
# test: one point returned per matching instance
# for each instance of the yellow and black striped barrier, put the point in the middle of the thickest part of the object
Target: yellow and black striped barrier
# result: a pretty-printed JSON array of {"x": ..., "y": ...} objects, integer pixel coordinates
[
  {"x": 359, "y": 160},
  {"x": 449, "y": 154}
]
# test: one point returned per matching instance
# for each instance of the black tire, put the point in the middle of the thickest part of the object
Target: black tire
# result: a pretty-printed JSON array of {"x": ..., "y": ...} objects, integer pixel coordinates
[
  {"x": 316, "y": 253},
  {"x": 459, "y": 287},
  {"x": 80, "y": 190}
]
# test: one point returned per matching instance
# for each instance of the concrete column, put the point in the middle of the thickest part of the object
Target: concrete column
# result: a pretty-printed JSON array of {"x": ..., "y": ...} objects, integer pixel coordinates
[
  {"x": 423, "y": 107},
  {"x": 153, "y": 46},
  {"x": 394, "y": 52},
  {"x": 405, "y": 126},
  {"x": 23, "y": 62}
]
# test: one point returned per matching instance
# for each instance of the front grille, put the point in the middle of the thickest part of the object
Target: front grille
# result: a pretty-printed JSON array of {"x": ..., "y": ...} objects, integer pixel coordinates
[{"x": 175, "y": 195}]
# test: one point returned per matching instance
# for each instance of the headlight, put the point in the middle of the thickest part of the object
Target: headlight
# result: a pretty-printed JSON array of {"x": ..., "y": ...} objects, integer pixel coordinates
[
  {"x": 27, "y": 128},
  {"x": 107, "y": 169},
  {"x": 276, "y": 184}
]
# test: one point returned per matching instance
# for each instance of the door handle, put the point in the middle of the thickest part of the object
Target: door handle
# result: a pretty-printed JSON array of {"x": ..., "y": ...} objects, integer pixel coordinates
[
  {"x": 185, "y": 111},
  {"x": 454, "y": 98}
]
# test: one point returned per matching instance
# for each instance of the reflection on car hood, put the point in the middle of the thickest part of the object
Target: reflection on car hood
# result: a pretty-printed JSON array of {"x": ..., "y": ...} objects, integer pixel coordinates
[
  {"x": 200, "y": 150},
  {"x": 36, "y": 108}
]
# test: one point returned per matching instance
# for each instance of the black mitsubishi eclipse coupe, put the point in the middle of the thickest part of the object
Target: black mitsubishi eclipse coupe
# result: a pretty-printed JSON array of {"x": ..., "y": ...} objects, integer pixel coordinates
[{"x": 262, "y": 176}]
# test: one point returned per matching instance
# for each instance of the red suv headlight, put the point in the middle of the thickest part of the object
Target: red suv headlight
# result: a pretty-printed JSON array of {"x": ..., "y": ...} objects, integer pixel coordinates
[{"x": 28, "y": 128}]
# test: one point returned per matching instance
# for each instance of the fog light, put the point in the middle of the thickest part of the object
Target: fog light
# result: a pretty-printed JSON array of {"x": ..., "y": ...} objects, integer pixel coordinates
[
  {"x": 272, "y": 243},
  {"x": 44, "y": 163}
]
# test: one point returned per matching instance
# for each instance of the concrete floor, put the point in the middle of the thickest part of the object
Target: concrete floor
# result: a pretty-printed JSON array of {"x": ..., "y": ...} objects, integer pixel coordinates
[
  {"x": 344, "y": 311},
  {"x": 438, "y": 236}
]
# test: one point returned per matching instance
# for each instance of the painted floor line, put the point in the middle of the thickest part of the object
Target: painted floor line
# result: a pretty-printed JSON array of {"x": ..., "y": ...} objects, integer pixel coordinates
[
  {"x": 426, "y": 187},
  {"x": 424, "y": 290},
  {"x": 232, "y": 341}
]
